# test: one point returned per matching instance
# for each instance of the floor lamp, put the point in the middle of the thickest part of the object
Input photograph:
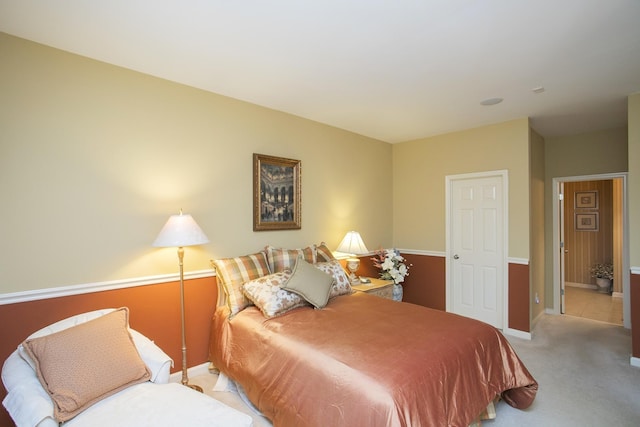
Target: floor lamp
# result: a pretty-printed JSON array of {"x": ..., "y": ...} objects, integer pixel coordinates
[{"x": 179, "y": 231}]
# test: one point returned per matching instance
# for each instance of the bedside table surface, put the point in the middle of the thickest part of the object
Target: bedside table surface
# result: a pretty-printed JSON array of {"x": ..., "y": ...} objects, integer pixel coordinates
[{"x": 375, "y": 284}]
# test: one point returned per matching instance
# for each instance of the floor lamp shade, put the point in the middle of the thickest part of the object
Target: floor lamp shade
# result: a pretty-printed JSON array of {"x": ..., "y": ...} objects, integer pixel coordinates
[{"x": 179, "y": 231}]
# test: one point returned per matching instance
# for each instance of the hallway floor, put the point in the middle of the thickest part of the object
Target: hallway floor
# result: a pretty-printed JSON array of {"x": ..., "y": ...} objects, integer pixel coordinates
[{"x": 588, "y": 303}]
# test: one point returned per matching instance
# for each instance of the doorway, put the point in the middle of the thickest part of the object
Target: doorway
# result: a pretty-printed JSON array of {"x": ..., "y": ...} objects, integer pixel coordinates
[
  {"x": 476, "y": 229},
  {"x": 582, "y": 206}
]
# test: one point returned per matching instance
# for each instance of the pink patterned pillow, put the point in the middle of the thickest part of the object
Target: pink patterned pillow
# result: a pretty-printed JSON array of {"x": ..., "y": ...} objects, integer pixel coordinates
[
  {"x": 341, "y": 284},
  {"x": 285, "y": 259},
  {"x": 269, "y": 296}
]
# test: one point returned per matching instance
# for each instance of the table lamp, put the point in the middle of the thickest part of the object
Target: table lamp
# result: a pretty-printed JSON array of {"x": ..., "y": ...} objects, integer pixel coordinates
[{"x": 352, "y": 244}]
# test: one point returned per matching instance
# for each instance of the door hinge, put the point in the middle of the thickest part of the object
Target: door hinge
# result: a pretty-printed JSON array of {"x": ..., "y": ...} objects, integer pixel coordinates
[{"x": 560, "y": 196}]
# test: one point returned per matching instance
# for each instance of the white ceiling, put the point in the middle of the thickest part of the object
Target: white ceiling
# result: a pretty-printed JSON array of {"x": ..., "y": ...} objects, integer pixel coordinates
[{"x": 392, "y": 70}]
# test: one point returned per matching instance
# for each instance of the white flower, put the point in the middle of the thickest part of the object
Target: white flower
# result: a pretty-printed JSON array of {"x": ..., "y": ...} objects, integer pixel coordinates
[
  {"x": 402, "y": 269},
  {"x": 391, "y": 264},
  {"x": 388, "y": 264}
]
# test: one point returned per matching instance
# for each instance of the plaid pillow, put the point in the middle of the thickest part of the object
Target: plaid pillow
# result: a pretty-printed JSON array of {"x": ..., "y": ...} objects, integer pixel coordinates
[
  {"x": 235, "y": 272},
  {"x": 323, "y": 253},
  {"x": 285, "y": 259}
]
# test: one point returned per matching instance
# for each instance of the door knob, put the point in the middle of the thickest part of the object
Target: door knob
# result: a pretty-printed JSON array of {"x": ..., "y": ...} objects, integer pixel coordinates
[{"x": 456, "y": 256}]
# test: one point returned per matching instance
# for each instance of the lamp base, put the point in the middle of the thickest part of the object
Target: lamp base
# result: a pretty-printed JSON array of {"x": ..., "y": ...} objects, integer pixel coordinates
[
  {"x": 353, "y": 264},
  {"x": 194, "y": 387}
]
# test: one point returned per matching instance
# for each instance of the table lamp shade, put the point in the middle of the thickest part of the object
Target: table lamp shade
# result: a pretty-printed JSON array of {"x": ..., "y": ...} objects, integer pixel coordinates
[
  {"x": 352, "y": 244},
  {"x": 180, "y": 230}
]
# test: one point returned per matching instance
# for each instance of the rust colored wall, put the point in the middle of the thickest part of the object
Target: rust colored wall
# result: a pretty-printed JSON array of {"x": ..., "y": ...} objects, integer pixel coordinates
[
  {"x": 519, "y": 297},
  {"x": 635, "y": 315},
  {"x": 425, "y": 284},
  {"x": 154, "y": 312}
]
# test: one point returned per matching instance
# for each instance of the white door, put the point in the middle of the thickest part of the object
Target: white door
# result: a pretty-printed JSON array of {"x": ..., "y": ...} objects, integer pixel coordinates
[
  {"x": 563, "y": 249},
  {"x": 476, "y": 247}
]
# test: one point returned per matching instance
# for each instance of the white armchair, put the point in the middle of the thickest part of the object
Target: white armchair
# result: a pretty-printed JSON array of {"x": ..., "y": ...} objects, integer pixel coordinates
[{"x": 153, "y": 403}]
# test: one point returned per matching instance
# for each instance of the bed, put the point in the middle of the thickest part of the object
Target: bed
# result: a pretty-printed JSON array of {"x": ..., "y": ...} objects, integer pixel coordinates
[{"x": 362, "y": 360}]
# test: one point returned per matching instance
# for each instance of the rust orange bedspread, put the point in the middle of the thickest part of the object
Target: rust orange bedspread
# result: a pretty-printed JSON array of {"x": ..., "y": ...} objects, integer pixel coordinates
[{"x": 368, "y": 361}]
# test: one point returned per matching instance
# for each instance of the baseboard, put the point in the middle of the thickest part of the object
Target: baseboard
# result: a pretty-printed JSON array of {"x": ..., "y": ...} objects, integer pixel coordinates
[
  {"x": 518, "y": 334},
  {"x": 193, "y": 371},
  {"x": 635, "y": 361},
  {"x": 580, "y": 285},
  {"x": 617, "y": 295}
]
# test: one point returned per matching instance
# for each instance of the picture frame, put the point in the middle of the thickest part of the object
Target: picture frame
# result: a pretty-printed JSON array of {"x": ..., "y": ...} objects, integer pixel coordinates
[
  {"x": 586, "y": 199},
  {"x": 586, "y": 221},
  {"x": 276, "y": 193}
]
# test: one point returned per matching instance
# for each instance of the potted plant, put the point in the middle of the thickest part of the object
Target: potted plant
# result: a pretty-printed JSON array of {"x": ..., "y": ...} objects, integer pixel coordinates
[{"x": 604, "y": 274}]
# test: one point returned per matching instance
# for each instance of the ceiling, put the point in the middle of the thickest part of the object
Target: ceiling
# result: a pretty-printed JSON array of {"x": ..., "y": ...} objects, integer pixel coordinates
[{"x": 392, "y": 70}]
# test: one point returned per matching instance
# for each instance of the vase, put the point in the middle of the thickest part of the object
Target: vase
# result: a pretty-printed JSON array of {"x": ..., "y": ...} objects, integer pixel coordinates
[
  {"x": 604, "y": 285},
  {"x": 397, "y": 292}
]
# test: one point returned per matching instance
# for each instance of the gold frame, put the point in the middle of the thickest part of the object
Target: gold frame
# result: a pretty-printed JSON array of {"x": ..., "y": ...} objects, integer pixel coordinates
[
  {"x": 275, "y": 210},
  {"x": 586, "y": 221},
  {"x": 586, "y": 199}
]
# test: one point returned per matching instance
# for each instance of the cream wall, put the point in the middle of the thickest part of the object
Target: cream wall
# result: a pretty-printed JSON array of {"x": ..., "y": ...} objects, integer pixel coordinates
[
  {"x": 634, "y": 180},
  {"x": 94, "y": 158},
  {"x": 577, "y": 155},
  {"x": 537, "y": 258},
  {"x": 420, "y": 168}
]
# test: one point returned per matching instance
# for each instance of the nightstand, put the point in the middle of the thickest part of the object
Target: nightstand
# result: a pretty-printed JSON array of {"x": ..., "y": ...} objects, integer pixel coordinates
[{"x": 378, "y": 287}]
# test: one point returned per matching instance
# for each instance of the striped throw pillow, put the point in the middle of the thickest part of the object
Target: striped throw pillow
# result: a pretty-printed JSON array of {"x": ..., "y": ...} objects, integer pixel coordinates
[
  {"x": 235, "y": 272},
  {"x": 285, "y": 259},
  {"x": 323, "y": 253}
]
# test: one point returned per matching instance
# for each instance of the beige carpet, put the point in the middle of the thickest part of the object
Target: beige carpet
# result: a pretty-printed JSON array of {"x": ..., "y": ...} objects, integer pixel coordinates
[{"x": 581, "y": 365}]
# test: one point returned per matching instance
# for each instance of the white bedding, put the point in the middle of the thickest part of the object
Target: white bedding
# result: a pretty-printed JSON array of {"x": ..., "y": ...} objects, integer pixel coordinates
[
  {"x": 143, "y": 405},
  {"x": 150, "y": 404}
]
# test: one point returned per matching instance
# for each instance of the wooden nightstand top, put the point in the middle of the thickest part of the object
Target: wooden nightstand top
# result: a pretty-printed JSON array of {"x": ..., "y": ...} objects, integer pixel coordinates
[{"x": 375, "y": 284}]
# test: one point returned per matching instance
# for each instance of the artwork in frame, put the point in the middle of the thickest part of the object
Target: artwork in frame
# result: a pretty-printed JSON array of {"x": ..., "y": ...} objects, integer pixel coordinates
[
  {"x": 587, "y": 221},
  {"x": 276, "y": 193},
  {"x": 586, "y": 200}
]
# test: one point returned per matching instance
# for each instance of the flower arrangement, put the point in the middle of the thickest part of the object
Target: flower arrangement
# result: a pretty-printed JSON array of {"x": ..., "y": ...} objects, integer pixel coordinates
[
  {"x": 602, "y": 271},
  {"x": 391, "y": 264}
]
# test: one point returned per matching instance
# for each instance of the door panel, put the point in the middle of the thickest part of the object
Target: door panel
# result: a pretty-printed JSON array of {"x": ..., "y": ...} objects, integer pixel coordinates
[{"x": 477, "y": 266}]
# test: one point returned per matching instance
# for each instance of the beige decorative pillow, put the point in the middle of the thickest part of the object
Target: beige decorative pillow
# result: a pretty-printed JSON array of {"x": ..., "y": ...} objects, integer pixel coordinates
[
  {"x": 235, "y": 272},
  {"x": 310, "y": 283},
  {"x": 341, "y": 285},
  {"x": 285, "y": 259},
  {"x": 83, "y": 364},
  {"x": 268, "y": 295},
  {"x": 323, "y": 253}
]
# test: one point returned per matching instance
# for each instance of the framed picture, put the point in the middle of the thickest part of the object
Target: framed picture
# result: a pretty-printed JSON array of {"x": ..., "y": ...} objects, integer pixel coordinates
[
  {"x": 276, "y": 193},
  {"x": 587, "y": 221},
  {"x": 586, "y": 200}
]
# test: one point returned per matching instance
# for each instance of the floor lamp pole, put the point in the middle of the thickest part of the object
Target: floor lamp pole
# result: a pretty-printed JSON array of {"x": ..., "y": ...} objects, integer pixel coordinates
[{"x": 185, "y": 378}]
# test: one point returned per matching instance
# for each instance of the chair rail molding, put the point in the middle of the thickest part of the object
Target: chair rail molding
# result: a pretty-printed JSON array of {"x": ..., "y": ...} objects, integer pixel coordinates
[{"x": 63, "y": 291}]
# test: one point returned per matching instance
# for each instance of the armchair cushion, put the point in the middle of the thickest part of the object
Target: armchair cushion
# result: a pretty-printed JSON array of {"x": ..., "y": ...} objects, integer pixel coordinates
[{"x": 83, "y": 364}]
